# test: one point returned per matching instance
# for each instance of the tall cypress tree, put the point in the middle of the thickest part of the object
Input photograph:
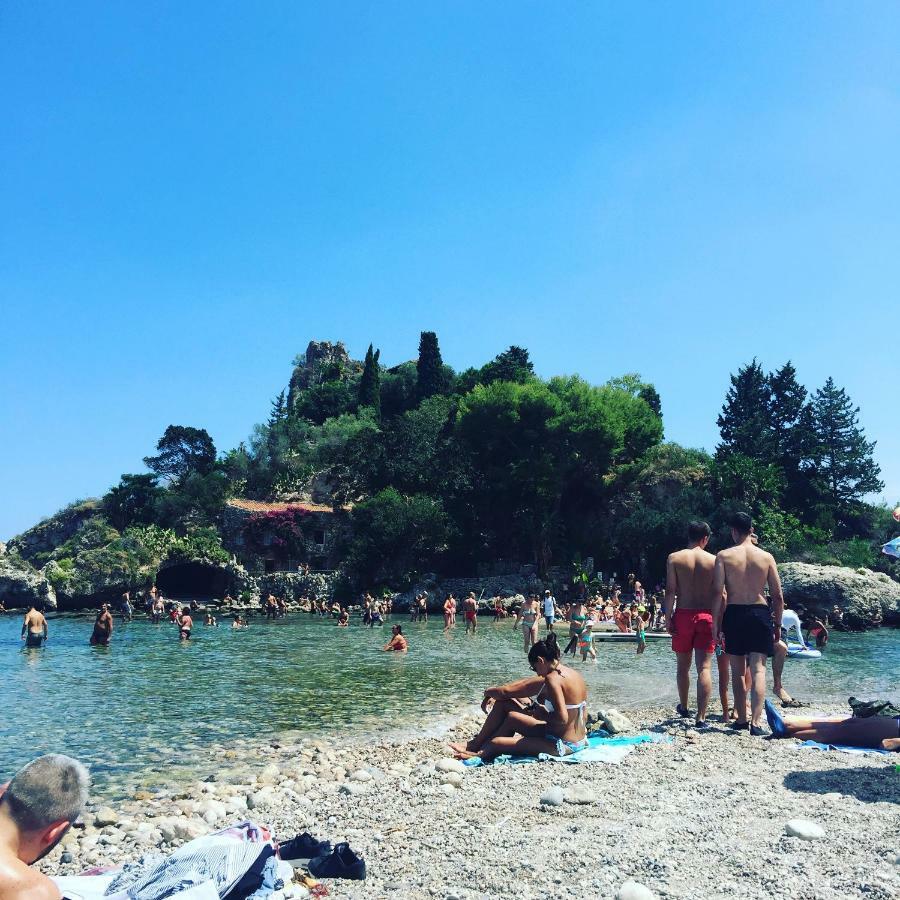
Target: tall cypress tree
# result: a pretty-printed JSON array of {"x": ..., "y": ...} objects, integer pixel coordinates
[
  {"x": 745, "y": 422},
  {"x": 279, "y": 410},
  {"x": 430, "y": 367},
  {"x": 370, "y": 382},
  {"x": 845, "y": 464}
]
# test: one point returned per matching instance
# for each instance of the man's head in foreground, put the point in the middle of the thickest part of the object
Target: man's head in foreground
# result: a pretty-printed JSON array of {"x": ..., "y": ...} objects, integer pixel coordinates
[
  {"x": 40, "y": 804},
  {"x": 741, "y": 525}
]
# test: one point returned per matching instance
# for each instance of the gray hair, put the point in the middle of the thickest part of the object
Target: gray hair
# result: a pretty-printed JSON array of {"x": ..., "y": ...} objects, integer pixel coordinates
[{"x": 51, "y": 788}]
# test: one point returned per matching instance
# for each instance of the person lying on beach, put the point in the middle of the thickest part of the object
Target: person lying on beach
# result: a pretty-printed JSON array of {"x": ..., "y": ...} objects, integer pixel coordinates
[
  {"x": 37, "y": 808},
  {"x": 398, "y": 641},
  {"x": 875, "y": 733},
  {"x": 552, "y": 722}
]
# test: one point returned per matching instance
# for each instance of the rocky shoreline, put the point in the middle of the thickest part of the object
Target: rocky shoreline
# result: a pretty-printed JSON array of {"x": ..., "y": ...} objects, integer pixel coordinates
[{"x": 704, "y": 815}]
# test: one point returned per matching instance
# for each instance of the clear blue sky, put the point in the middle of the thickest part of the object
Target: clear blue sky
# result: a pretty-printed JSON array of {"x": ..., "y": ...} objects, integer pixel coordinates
[{"x": 192, "y": 191}]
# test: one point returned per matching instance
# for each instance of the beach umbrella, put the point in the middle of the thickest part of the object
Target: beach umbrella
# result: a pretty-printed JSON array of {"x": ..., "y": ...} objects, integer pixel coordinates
[{"x": 892, "y": 548}]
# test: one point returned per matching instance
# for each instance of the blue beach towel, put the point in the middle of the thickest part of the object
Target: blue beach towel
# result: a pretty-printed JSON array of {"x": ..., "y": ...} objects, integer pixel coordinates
[
  {"x": 601, "y": 748},
  {"x": 815, "y": 745}
]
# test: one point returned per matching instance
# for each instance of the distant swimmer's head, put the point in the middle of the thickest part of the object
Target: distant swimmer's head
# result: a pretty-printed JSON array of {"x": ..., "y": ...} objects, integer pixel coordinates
[
  {"x": 741, "y": 525},
  {"x": 699, "y": 532},
  {"x": 42, "y": 801}
]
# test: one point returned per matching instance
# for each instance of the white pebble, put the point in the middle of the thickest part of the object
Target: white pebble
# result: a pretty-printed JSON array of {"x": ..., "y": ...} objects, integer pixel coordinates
[
  {"x": 450, "y": 765},
  {"x": 553, "y": 796},
  {"x": 634, "y": 890},
  {"x": 805, "y": 830}
]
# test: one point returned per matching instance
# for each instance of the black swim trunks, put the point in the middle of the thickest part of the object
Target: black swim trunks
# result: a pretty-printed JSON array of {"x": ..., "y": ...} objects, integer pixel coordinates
[
  {"x": 34, "y": 640},
  {"x": 748, "y": 629}
]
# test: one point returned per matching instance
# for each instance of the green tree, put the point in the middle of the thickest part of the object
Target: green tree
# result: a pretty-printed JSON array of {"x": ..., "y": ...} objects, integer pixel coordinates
[
  {"x": 398, "y": 390},
  {"x": 395, "y": 538},
  {"x": 650, "y": 396},
  {"x": 133, "y": 501},
  {"x": 182, "y": 451},
  {"x": 196, "y": 500},
  {"x": 326, "y": 399},
  {"x": 793, "y": 440},
  {"x": 279, "y": 410},
  {"x": 745, "y": 422},
  {"x": 370, "y": 383},
  {"x": 846, "y": 465},
  {"x": 540, "y": 453},
  {"x": 420, "y": 452},
  {"x": 431, "y": 375},
  {"x": 513, "y": 364}
]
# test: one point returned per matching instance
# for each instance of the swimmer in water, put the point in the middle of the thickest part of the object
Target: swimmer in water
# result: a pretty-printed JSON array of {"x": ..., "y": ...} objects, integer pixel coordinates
[
  {"x": 470, "y": 606},
  {"x": 185, "y": 624},
  {"x": 34, "y": 628},
  {"x": 103, "y": 627},
  {"x": 527, "y": 618},
  {"x": 397, "y": 643}
]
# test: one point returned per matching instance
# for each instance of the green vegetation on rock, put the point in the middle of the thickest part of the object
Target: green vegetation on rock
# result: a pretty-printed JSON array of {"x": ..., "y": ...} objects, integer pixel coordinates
[{"x": 444, "y": 472}]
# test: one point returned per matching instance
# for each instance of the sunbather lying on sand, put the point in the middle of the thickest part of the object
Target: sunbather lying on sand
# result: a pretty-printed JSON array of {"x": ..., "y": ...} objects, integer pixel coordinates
[
  {"x": 546, "y": 713},
  {"x": 876, "y": 733}
]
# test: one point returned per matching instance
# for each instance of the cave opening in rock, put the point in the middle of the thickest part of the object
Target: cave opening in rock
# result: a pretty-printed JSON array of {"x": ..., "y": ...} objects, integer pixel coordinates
[{"x": 191, "y": 580}]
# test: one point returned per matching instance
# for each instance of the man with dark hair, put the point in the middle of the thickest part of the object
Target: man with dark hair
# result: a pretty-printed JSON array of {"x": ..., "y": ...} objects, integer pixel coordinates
[
  {"x": 691, "y": 609},
  {"x": 34, "y": 627},
  {"x": 749, "y": 627},
  {"x": 36, "y": 809}
]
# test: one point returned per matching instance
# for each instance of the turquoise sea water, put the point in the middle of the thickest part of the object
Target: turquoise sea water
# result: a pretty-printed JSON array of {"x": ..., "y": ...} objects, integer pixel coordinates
[{"x": 147, "y": 705}]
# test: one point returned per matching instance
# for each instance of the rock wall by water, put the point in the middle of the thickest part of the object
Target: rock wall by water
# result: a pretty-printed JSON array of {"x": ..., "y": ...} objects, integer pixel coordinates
[
  {"x": 507, "y": 586},
  {"x": 294, "y": 586},
  {"x": 854, "y": 599},
  {"x": 21, "y": 584}
]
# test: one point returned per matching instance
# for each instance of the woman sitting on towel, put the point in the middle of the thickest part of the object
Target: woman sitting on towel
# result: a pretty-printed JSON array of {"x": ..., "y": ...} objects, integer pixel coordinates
[{"x": 546, "y": 713}]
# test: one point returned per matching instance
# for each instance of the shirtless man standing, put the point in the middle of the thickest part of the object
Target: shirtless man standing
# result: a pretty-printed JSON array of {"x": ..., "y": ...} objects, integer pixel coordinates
[
  {"x": 470, "y": 608},
  {"x": 691, "y": 608},
  {"x": 34, "y": 628},
  {"x": 749, "y": 627}
]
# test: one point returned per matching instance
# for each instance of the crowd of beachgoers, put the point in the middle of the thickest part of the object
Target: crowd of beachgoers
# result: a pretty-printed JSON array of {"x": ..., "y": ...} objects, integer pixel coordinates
[{"x": 726, "y": 608}]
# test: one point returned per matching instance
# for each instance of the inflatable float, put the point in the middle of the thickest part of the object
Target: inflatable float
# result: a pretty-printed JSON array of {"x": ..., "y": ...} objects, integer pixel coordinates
[{"x": 797, "y": 647}]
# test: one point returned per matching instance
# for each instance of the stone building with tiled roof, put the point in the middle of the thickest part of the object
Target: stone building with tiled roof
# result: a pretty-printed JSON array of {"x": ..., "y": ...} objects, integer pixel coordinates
[{"x": 255, "y": 532}]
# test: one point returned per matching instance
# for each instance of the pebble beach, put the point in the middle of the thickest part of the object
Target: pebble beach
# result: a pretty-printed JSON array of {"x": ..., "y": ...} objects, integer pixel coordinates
[{"x": 710, "y": 814}]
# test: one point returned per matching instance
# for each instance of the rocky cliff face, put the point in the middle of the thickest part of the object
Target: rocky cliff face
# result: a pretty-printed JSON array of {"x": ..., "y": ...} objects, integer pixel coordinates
[
  {"x": 323, "y": 361},
  {"x": 854, "y": 599},
  {"x": 21, "y": 584},
  {"x": 42, "y": 539}
]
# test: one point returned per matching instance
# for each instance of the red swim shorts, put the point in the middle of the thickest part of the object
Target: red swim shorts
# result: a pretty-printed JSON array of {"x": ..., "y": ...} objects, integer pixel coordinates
[
  {"x": 693, "y": 631},
  {"x": 470, "y": 615}
]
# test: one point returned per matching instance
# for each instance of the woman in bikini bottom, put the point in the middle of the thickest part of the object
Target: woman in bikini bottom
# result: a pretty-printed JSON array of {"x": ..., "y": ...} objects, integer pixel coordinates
[{"x": 546, "y": 713}]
